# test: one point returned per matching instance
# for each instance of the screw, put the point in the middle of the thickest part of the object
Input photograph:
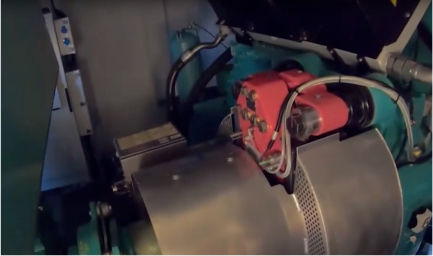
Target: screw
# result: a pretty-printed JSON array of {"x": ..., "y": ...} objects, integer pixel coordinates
[
  {"x": 253, "y": 95},
  {"x": 412, "y": 239},
  {"x": 417, "y": 152},
  {"x": 175, "y": 177},
  {"x": 244, "y": 114},
  {"x": 244, "y": 91},
  {"x": 263, "y": 126},
  {"x": 407, "y": 15},
  {"x": 254, "y": 120},
  {"x": 229, "y": 159}
]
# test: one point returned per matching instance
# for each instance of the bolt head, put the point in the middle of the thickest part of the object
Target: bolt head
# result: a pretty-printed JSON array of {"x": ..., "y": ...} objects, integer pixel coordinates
[
  {"x": 412, "y": 239},
  {"x": 263, "y": 126},
  {"x": 244, "y": 114},
  {"x": 254, "y": 120},
  {"x": 253, "y": 95},
  {"x": 244, "y": 91},
  {"x": 417, "y": 152}
]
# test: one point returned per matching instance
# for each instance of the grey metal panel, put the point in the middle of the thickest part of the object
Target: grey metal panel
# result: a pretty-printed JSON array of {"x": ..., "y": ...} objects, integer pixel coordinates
[
  {"x": 28, "y": 81},
  {"x": 123, "y": 55},
  {"x": 65, "y": 163},
  {"x": 136, "y": 162},
  {"x": 217, "y": 201},
  {"x": 357, "y": 191},
  {"x": 71, "y": 80},
  {"x": 122, "y": 52}
]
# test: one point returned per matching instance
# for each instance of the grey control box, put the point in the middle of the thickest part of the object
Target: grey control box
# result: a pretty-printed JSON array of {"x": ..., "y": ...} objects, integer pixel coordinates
[{"x": 149, "y": 147}]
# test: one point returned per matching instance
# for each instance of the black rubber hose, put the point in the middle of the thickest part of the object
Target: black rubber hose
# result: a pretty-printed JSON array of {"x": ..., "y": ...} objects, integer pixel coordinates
[
  {"x": 179, "y": 64},
  {"x": 217, "y": 65},
  {"x": 200, "y": 85}
]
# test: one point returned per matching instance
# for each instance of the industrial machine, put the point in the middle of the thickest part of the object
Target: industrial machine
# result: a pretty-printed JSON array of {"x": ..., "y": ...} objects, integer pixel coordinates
[
  {"x": 315, "y": 140},
  {"x": 323, "y": 125}
]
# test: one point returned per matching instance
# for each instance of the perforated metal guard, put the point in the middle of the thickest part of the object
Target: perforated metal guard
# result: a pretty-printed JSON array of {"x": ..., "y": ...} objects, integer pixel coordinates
[{"x": 307, "y": 202}]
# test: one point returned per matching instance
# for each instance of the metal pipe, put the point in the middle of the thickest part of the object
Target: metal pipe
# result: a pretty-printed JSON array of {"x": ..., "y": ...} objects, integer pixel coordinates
[
  {"x": 422, "y": 73},
  {"x": 406, "y": 70}
]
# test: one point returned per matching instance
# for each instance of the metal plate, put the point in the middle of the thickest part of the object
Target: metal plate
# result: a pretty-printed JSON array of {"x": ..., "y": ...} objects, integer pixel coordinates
[
  {"x": 28, "y": 82},
  {"x": 356, "y": 194},
  {"x": 217, "y": 201}
]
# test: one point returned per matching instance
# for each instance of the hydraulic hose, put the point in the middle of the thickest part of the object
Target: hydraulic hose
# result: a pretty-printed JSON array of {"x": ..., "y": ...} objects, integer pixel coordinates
[
  {"x": 217, "y": 65},
  {"x": 182, "y": 61}
]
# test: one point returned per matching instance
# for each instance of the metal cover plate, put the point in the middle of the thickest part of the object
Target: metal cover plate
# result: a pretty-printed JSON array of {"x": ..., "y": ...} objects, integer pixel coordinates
[
  {"x": 357, "y": 191},
  {"x": 215, "y": 201}
]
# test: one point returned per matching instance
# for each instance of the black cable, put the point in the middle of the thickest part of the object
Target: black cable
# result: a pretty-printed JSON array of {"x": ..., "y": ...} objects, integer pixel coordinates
[
  {"x": 290, "y": 180},
  {"x": 57, "y": 14},
  {"x": 177, "y": 67},
  {"x": 280, "y": 118},
  {"x": 200, "y": 85},
  {"x": 217, "y": 65},
  {"x": 207, "y": 31},
  {"x": 170, "y": 89}
]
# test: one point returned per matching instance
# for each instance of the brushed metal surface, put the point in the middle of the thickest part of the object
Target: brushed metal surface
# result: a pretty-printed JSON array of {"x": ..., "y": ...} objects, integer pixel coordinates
[
  {"x": 347, "y": 200},
  {"x": 217, "y": 201},
  {"x": 357, "y": 191}
]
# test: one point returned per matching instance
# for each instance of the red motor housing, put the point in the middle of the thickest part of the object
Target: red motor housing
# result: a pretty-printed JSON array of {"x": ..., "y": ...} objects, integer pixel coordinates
[{"x": 316, "y": 111}]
